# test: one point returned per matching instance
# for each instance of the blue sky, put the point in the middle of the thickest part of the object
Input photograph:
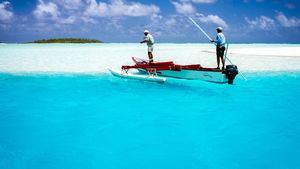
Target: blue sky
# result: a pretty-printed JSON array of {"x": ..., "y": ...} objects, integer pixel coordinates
[{"x": 244, "y": 21}]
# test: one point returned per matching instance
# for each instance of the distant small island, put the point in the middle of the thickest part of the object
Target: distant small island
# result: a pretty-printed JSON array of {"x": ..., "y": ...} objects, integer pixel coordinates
[{"x": 68, "y": 40}]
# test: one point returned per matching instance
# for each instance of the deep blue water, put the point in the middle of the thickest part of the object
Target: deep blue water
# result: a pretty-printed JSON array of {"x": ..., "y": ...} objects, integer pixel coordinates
[{"x": 103, "y": 122}]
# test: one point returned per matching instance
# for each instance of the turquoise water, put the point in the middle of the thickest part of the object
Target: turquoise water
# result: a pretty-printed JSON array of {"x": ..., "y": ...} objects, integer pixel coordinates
[{"x": 98, "y": 121}]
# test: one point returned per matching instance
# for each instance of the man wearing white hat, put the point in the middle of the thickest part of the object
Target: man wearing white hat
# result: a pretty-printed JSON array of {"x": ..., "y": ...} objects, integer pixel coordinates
[
  {"x": 220, "y": 43},
  {"x": 150, "y": 42}
]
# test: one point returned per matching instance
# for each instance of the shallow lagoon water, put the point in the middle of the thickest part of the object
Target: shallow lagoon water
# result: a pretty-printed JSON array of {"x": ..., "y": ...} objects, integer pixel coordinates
[
  {"x": 96, "y": 58},
  {"x": 99, "y": 121},
  {"x": 94, "y": 120}
]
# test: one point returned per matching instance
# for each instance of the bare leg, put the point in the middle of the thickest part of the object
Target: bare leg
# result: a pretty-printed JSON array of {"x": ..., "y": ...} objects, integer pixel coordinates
[{"x": 150, "y": 57}]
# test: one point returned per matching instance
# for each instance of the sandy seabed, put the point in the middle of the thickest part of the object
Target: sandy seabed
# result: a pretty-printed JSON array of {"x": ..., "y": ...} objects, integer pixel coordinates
[{"x": 95, "y": 58}]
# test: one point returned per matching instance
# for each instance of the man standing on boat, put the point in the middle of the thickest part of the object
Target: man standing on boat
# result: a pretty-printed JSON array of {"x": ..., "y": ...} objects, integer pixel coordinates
[
  {"x": 220, "y": 43},
  {"x": 150, "y": 42}
]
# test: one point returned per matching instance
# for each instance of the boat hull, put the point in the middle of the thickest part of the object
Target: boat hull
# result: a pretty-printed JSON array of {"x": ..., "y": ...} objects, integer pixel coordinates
[
  {"x": 210, "y": 76},
  {"x": 187, "y": 72},
  {"x": 144, "y": 77}
]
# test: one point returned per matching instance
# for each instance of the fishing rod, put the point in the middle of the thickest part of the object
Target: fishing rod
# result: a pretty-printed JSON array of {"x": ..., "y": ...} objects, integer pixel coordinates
[
  {"x": 210, "y": 39},
  {"x": 198, "y": 26}
]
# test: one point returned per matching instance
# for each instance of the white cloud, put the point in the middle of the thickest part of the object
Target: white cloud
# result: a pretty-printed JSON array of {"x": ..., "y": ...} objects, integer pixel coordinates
[
  {"x": 287, "y": 22},
  {"x": 68, "y": 20},
  {"x": 120, "y": 8},
  {"x": 184, "y": 7},
  {"x": 6, "y": 15},
  {"x": 67, "y": 12},
  {"x": 262, "y": 22},
  {"x": 156, "y": 17},
  {"x": 187, "y": 8},
  {"x": 50, "y": 11},
  {"x": 197, "y": 1},
  {"x": 204, "y": 1},
  {"x": 89, "y": 20},
  {"x": 171, "y": 22},
  {"x": 166, "y": 26},
  {"x": 71, "y": 4},
  {"x": 215, "y": 19},
  {"x": 46, "y": 10}
]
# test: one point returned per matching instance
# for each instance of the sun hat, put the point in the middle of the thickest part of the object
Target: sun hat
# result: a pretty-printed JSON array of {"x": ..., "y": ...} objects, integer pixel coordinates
[{"x": 219, "y": 28}]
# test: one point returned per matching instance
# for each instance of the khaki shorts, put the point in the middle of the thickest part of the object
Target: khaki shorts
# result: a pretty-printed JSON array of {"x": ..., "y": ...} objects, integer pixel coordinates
[{"x": 150, "y": 49}]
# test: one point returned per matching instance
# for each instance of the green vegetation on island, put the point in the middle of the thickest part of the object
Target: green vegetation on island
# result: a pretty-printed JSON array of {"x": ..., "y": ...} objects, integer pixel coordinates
[{"x": 68, "y": 40}]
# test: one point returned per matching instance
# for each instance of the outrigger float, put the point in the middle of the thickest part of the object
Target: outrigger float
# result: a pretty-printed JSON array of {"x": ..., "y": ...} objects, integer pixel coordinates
[{"x": 158, "y": 71}]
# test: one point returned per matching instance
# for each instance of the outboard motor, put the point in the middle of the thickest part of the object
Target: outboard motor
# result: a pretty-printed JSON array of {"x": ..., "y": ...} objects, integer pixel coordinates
[{"x": 231, "y": 71}]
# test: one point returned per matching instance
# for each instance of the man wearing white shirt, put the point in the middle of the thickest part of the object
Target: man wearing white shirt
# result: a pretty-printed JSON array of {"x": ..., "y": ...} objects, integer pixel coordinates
[
  {"x": 150, "y": 42},
  {"x": 220, "y": 43}
]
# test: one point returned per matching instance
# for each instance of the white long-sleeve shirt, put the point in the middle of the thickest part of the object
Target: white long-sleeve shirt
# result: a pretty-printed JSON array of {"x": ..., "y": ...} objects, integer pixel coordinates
[{"x": 150, "y": 40}]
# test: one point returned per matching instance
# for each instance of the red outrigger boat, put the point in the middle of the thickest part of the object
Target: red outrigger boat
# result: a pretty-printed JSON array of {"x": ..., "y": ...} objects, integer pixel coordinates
[{"x": 158, "y": 71}]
